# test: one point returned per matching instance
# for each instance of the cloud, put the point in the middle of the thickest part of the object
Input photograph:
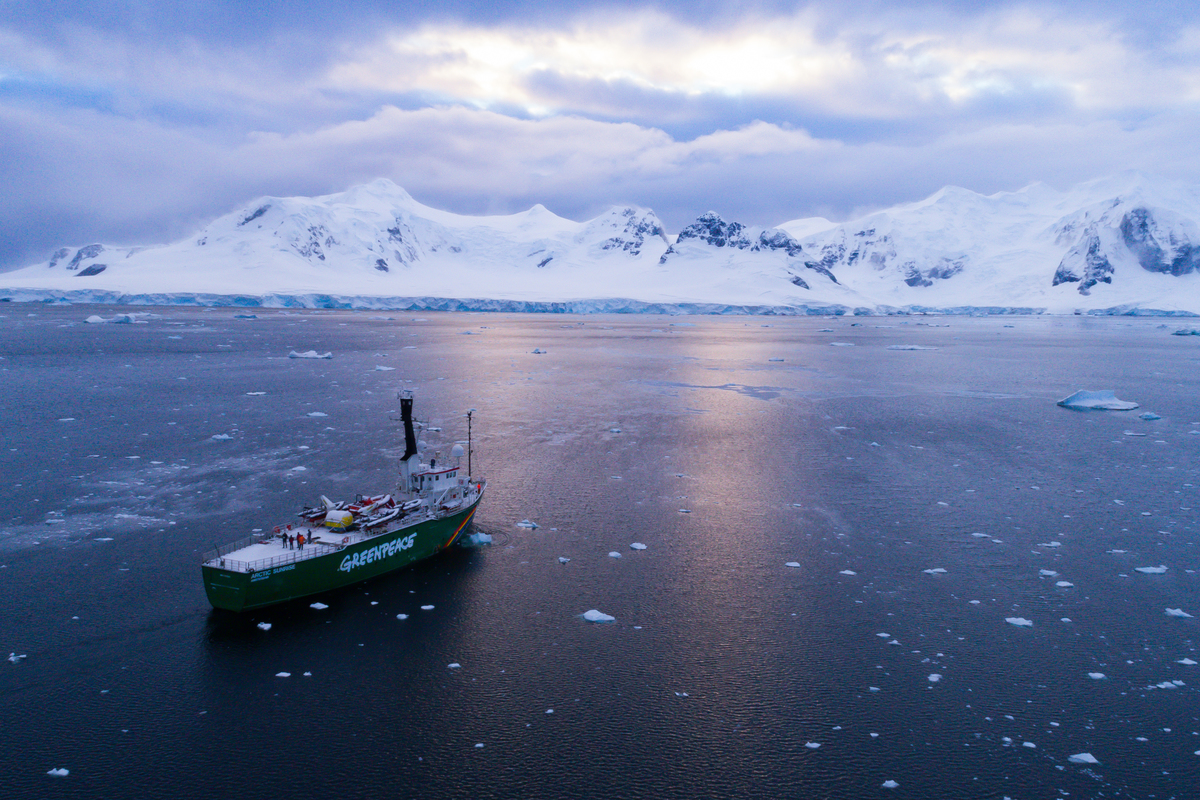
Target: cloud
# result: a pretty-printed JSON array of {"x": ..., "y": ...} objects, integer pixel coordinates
[{"x": 136, "y": 122}]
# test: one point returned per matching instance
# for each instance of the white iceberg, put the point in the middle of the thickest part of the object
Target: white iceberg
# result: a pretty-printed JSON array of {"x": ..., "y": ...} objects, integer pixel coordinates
[
  {"x": 614, "y": 554},
  {"x": 59, "y": 772},
  {"x": 317, "y": 414},
  {"x": 1178, "y": 612},
  {"x": 792, "y": 564},
  {"x": 1096, "y": 676},
  {"x": 1186, "y": 662},
  {"x": 564, "y": 560},
  {"x": 813, "y": 745},
  {"x": 477, "y": 539},
  {"x": 309, "y": 354},
  {"x": 1083, "y": 758},
  {"x": 527, "y": 524},
  {"x": 934, "y": 571},
  {"x": 890, "y": 784},
  {"x": 380, "y": 368},
  {"x": 427, "y": 608},
  {"x": 221, "y": 437},
  {"x": 15, "y": 658},
  {"x": 283, "y": 674},
  {"x": 935, "y": 678},
  {"x": 1104, "y": 399},
  {"x": 847, "y": 572},
  {"x": 402, "y": 616},
  {"x": 597, "y": 616},
  {"x": 1159, "y": 570},
  {"x": 318, "y": 606},
  {"x": 1020, "y": 622},
  {"x": 637, "y": 546},
  {"x": 454, "y": 665},
  {"x": 264, "y": 626}
]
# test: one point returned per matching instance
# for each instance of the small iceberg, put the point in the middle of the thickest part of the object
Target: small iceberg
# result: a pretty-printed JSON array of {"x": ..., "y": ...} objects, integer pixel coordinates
[
  {"x": 614, "y": 554},
  {"x": 1178, "y": 612},
  {"x": 1151, "y": 570},
  {"x": 317, "y": 414},
  {"x": 402, "y": 616},
  {"x": 15, "y": 658},
  {"x": 537, "y": 351},
  {"x": 935, "y": 571},
  {"x": 427, "y": 608},
  {"x": 220, "y": 437},
  {"x": 637, "y": 546},
  {"x": 309, "y": 354},
  {"x": 598, "y": 616},
  {"x": 564, "y": 560},
  {"x": 318, "y": 606},
  {"x": 889, "y": 784},
  {"x": 1096, "y": 676},
  {"x": 1104, "y": 399},
  {"x": 1020, "y": 622},
  {"x": 59, "y": 772},
  {"x": 813, "y": 745},
  {"x": 454, "y": 665},
  {"x": 1180, "y": 332},
  {"x": 527, "y": 524},
  {"x": 935, "y": 678},
  {"x": 283, "y": 674},
  {"x": 381, "y": 368},
  {"x": 1149, "y": 416},
  {"x": 478, "y": 539},
  {"x": 264, "y": 626},
  {"x": 1083, "y": 758},
  {"x": 847, "y": 572},
  {"x": 792, "y": 564}
]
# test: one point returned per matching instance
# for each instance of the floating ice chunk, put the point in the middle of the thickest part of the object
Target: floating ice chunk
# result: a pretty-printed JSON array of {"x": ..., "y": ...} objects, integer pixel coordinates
[
  {"x": 221, "y": 437},
  {"x": 909, "y": 347},
  {"x": 317, "y": 414},
  {"x": 1064, "y": 584},
  {"x": 1029, "y": 744},
  {"x": 1049, "y": 573},
  {"x": 982, "y": 535},
  {"x": 255, "y": 394},
  {"x": 427, "y": 608},
  {"x": 318, "y": 606},
  {"x": 847, "y": 572},
  {"x": 935, "y": 678},
  {"x": 537, "y": 351},
  {"x": 792, "y": 564},
  {"x": 1049, "y": 544},
  {"x": 597, "y": 616},
  {"x": 637, "y": 546},
  {"x": 1104, "y": 399},
  {"x": 66, "y": 419},
  {"x": 1149, "y": 416},
  {"x": 478, "y": 539},
  {"x": 890, "y": 784},
  {"x": 813, "y": 745},
  {"x": 1159, "y": 570},
  {"x": 298, "y": 469},
  {"x": 309, "y": 354},
  {"x": 1168, "y": 685},
  {"x": 685, "y": 511},
  {"x": 402, "y": 616},
  {"x": 14, "y": 658},
  {"x": 564, "y": 560},
  {"x": 549, "y": 710},
  {"x": 527, "y": 524},
  {"x": 841, "y": 344},
  {"x": 614, "y": 554},
  {"x": 454, "y": 665},
  {"x": 283, "y": 674},
  {"x": 1020, "y": 622},
  {"x": 381, "y": 368},
  {"x": 774, "y": 359},
  {"x": 1096, "y": 676},
  {"x": 1178, "y": 612},
  {"x": 264, "y": 626},
  {"x": 884, "y": 635},
  {"x": 614, "y": 430},
  {"x": 1083, "y": 758},
  {"x": 1186, "y": 661},
  {"x": 95, "y": 320},
  {"x": 59, "y": 772},
  {"x": 935, "y": 571}
]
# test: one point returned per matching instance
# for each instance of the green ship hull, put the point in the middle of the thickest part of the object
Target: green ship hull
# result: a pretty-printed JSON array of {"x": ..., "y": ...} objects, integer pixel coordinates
[{"x": 239, "y": 586}]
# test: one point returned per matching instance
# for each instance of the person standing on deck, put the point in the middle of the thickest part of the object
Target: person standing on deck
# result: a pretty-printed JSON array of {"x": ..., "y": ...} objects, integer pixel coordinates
[{"x": 300, "y": 540}]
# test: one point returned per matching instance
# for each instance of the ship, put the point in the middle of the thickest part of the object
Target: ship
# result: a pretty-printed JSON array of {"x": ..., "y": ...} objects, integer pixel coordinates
[{"x": 336, "y": 543}]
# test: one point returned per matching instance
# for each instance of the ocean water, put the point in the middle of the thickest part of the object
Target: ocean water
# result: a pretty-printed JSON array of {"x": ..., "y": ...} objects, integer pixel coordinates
[{"x": 925, "y": 497}]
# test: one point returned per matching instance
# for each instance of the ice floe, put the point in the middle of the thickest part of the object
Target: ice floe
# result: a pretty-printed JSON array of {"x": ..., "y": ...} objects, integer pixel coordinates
[
  {"x": 283, "y": 674},
  {"x": 427, "y": 608},
  {"x": 317, "y": 414},
  {"x": 527, "y": 524},
  {"x": 1149, "y": 416},
  {"x": 381, "y": 368},
  {"x": 597, "y": 616},
  {"x": 402, "y": 616},
  {"x": 264, "y": 626},
  {"x": 1096, "y": 676},
  {"x": 614, "y": 554},
  {"x": 15, "y": 658},
  {"x": 59, "y": 772},
  {"x": 309, "y": 354},
  {"x": 935, "y": 678},
  {"x": 1104, "y": 399},
  {"x": 935, "y": 571},
  {"x": 637, "y": 546},
  {"x": 478, "y": 539},
  {"x": 1083, "y": 758},
  {"x": 1159, "y": 570},
  {"x": 1178, "y": 612},
  {"x": 1186, "y": 662},
  {"x": 889, "y": 784},
  {"x": 841, "y": 344},
  {"x": 1020, "y": 622},
  {"x": 454, "y": 665},
  {"x": 813, "y": 745},
  {"x": 792, "y": 564},
  {"x": 909, "y": 347},
  {"x": 847, "y": 572},
  {"x": 564, "y": 560},
  {"x": 220, "y": 437}
]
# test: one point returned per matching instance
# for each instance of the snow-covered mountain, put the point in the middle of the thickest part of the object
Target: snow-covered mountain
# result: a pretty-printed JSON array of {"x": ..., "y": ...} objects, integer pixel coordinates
[{"x": 1129, "y": 240}]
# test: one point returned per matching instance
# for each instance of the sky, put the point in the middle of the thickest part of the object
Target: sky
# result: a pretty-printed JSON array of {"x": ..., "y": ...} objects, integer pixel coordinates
[{"x": 138, "y": 122}]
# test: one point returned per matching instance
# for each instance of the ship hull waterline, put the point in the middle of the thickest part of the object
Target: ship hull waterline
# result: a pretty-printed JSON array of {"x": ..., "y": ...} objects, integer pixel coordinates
[{"x": 232, "y": 590}]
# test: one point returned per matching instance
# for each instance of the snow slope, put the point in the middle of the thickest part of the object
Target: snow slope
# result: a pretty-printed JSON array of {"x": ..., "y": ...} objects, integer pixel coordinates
[{"x": 1126, "y": 241}]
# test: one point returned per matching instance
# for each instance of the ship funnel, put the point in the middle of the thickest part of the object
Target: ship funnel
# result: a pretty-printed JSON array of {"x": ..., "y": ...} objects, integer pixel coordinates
[{"x": 410, "y": 437}]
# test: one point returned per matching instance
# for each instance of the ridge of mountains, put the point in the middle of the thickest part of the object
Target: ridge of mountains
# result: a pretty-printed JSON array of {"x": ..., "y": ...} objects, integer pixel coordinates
[{"x": 1127, "y": 243}]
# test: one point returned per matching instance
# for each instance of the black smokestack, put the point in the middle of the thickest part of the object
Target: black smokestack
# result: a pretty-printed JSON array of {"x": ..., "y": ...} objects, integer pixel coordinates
[{"x": 410, "y": 438}]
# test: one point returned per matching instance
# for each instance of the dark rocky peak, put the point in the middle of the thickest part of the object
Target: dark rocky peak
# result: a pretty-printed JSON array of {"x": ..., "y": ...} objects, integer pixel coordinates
[
  {"x": 1161, "y": 241},
  {"x": 59, "y": 255},
  {"x": 91, "y": 251},
  {"x": 634, "y": 226},
  {"x": 711, "y": 229},
  {"x": 253, "y": 215}
]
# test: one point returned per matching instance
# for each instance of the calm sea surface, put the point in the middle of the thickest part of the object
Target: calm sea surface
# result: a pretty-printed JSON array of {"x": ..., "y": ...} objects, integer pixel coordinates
[{"x": 842, "y": 547}]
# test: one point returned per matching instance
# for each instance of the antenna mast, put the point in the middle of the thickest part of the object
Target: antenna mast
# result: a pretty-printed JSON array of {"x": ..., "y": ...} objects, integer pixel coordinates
[{"x": 469, "y": 413}]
